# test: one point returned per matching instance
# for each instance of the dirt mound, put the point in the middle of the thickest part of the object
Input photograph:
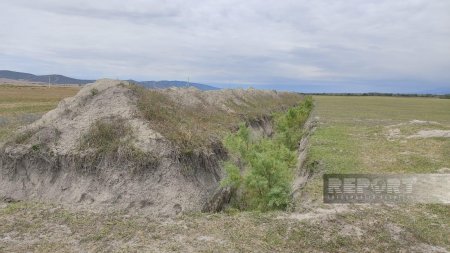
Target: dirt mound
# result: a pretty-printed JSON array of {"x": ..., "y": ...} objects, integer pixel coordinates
[{"x": 115, "y": 146}]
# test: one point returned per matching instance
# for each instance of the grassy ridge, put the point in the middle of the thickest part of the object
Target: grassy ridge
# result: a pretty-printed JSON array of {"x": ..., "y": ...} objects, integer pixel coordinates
[{"x": 194, "y": 126}]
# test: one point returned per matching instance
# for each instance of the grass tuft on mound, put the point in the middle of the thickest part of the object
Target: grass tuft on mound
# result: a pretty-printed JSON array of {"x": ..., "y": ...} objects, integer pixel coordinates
[
  {"x": 111, "y": 138},
  {"x": 107, "y": 135}
]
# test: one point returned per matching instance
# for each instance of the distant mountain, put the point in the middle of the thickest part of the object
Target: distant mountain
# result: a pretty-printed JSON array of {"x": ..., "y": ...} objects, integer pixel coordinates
[
  {"x": 15, "y": 75},
  {"x": 167, "y": 84},
  {"x": 59, "y": 79},
  {"x": 54, "y": 79}
]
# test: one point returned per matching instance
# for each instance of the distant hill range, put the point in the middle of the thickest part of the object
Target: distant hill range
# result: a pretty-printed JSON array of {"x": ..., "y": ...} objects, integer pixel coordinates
[
  {"x": 6, "y": 75},
  {"x": 166, "y": 84},
  {"x": 53, "y": 79}
]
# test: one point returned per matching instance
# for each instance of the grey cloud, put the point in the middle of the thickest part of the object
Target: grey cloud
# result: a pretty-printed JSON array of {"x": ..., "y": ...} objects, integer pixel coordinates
[{"x": 253, "y": 42}]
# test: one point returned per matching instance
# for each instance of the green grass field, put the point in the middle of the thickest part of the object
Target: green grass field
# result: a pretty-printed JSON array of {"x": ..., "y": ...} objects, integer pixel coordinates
[
  {"x": 382, "y": 110},
  {"x": 354, "y": 135},
  {"x": 372, "y": 135}
]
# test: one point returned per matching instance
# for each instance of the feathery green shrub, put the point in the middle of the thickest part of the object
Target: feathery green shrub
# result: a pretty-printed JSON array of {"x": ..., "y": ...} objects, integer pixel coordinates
[{"x": 262, "y": 171}]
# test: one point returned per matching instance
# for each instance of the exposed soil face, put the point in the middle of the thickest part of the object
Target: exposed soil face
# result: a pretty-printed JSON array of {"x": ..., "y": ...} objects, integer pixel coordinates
[
  {"x": 303, "y": 173},
  {"x": 68, "y": 156}
]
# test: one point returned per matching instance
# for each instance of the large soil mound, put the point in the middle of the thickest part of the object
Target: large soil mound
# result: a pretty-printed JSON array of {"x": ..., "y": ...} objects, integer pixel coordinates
[{"x": 117, "y": 146}]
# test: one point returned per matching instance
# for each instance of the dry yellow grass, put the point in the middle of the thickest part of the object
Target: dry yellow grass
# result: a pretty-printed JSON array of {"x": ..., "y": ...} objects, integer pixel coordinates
[
  {"x": 14, "y": 98},
  {"x": 22, "y": 104},
  {"x": 193, "y": 126}
]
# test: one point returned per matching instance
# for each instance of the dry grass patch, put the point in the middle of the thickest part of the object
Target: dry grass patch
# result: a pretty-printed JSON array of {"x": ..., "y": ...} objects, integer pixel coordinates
[
  {"x": 195, "y": 125},
  {"x": 381, "y": 229},
  {"x": 31, "y": 99},
  {"x": 111, "y": 139},
  {"x": 21, "y": 105}
]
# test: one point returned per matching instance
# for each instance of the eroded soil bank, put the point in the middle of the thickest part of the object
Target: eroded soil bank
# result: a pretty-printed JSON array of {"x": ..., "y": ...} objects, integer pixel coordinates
[{"x": 115, "y": 146}]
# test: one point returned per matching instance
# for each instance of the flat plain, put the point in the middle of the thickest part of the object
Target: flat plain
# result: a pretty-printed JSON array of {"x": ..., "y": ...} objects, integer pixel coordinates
[
  {"x": 354, "y": 135},
  {"x": 22, "y": 104},
  {"x": 379, "y": 134}
]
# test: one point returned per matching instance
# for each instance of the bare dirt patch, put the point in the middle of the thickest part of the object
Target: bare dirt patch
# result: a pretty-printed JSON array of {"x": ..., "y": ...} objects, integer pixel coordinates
[
  {"x": 318, "y": 213},
  {"x": 431, "y": 134},
  {"x": 416, "y": 129}
]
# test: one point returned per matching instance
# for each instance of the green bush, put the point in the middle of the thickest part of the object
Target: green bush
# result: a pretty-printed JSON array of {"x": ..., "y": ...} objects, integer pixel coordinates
[
  {"x": 234, "y": 178},
  {"x": 289, "y": 125},
  {"x": 94, "y": 92},
  {"x": 267, "y": 164}
]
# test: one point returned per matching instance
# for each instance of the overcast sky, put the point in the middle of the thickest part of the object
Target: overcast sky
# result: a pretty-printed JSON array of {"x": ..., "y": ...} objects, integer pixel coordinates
[{"x": 348, "y": 45}]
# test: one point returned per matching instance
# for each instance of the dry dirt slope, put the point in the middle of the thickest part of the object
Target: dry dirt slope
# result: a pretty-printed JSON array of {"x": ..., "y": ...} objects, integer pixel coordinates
[{"x": 117, "y": 146}]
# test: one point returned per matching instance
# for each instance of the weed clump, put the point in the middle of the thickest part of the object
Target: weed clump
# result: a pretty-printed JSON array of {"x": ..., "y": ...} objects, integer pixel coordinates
[
  {"x": 262, "y": 170},
  {"x": 38, "y": 138},
  {"x": 94, "y": 92},
  {"x": 107, "y": 135},
  {"x": 111, "y": 140},
  {"x": 24, "y": 137}
]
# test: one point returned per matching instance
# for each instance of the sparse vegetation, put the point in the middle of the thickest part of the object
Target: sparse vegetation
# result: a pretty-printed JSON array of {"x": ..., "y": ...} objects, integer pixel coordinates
[
  {"x": 112, "y": 138},
  {"x": 23, "y": 137},
  {"x": 107, "y": 135},
  {"x": 267, "y": 164},
  {"x": 384, "y": 229},
  {"x": 94, "y": 92},
  {"x": 194, "y": 127}
]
